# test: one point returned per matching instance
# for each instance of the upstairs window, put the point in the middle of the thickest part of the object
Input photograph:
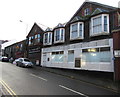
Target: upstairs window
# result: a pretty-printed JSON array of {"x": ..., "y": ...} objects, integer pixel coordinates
[
  {"x": 31, "y": 40},
  {"x": 37, "y": 38},
  {"x": 99, "y": 25},
  {"x": 47, "y": 38},
  {"x": 59, "y": 35},
  {"x": 76, "y": 31},
  {"x": 86, "y": 11}
]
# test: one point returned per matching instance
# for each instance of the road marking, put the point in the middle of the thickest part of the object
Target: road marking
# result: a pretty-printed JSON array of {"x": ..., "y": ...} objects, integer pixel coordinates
[
  {"x": 38, "y": 77},
  {"x": 10, "y": 91},
  {"x": 6, "y": 88},
  {"x": 73, "y": 91}
]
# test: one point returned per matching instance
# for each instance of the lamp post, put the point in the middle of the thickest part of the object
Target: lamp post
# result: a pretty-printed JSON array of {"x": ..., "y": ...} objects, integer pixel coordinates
[
  {"x": 25, "y": 52},
  {"x": 26, "y": 26}
]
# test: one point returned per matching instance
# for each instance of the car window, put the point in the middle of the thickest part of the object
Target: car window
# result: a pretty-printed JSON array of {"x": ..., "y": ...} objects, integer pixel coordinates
[
  {"x": 17, "y": 60},
  {"x": 20, "y": 60},
  {"x": 27, "y": 60}
]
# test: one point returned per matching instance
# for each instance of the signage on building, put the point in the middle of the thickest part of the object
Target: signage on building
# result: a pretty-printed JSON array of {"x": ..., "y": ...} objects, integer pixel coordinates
[
  {"x": 35, "y": 50},
  {"x": 117, "y": 53}
]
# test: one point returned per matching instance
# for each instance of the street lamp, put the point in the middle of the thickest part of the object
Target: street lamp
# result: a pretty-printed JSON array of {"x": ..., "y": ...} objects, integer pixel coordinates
[{"x": 26, "y": 26}]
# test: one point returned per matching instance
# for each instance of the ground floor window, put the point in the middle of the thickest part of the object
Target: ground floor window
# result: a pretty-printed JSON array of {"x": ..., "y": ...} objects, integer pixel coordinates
[
  {"x": 102, "y": 54},
  {"x": 71, "y": 56},
  {"x": 58, "y": 56}
]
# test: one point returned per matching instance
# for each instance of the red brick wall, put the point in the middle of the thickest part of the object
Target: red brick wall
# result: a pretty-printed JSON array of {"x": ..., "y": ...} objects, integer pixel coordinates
[{"x": 116, "y": 46}]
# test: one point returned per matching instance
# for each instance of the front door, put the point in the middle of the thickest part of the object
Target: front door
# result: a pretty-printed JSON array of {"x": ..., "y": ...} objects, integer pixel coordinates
[{"x": 44, "y": 59}]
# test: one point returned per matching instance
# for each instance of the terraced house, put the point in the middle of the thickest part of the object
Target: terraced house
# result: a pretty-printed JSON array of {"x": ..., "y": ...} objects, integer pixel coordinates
[
  {"x": 85, "y": 42},
  {"x": 90, "y": 40},
  {"x": 34, "y": 44}
]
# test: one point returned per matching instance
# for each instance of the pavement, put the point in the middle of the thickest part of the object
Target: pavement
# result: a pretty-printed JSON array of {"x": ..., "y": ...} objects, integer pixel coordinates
[{"x": 100, "y": 79}]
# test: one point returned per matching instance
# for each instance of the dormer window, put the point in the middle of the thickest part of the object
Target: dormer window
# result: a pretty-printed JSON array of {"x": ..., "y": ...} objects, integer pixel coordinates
[
  {"x": 76, "y": 31},
  {"x": 47, "y": 38},
  {"x": 86, "y": 11},
  {"x": 59, "y": 35},
  {"x": 99, "y": 25}
]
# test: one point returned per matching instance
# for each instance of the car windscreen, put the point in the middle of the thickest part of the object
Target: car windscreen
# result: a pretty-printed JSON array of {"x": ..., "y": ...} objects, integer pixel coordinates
[{"x": 26, "y": 60}]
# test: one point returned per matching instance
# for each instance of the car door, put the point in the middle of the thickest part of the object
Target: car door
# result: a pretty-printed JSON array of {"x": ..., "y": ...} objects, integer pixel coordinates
[{"x": 20, "y": 62}]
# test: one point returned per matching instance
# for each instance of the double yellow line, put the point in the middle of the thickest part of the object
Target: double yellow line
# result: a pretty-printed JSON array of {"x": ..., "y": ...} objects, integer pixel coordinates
[{"x": 9, "y": 90}]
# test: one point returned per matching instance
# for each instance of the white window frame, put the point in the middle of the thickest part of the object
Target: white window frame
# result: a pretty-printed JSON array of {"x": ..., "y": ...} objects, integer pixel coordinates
[
  {"x": 48, "y": 43},
  {"x": 78, "y": 31},
  {"x": 103, "y": 32},
  {"x": 59, "y": 53},
  {"x": 86, "y": 11},
  {"x": 60, "y": 35},
  {"x": 68, "y": 55}
]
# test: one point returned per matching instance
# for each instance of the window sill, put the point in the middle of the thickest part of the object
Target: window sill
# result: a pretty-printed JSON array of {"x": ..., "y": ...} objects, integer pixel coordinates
[
  {"x": 47, "y": 44},
  {"x": 98, "y": 34},
  {"x": 79, "y": 38},
  {"x": 58, "y": 42}
]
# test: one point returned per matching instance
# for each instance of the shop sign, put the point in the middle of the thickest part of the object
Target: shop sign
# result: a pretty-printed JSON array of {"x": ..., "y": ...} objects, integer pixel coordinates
[{"x": 35, "y": 50}]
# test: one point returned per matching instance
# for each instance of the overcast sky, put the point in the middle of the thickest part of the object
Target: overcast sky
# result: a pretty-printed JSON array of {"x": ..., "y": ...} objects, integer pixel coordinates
[{"x": 46, "y": 12}]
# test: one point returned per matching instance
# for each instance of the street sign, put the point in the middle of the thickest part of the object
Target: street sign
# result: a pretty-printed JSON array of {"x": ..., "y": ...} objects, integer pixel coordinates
[{"x": 117, "y": 53}]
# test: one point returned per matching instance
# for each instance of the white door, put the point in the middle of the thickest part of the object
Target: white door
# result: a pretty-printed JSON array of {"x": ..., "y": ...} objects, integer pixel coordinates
[{"x": 44, "y": 59}]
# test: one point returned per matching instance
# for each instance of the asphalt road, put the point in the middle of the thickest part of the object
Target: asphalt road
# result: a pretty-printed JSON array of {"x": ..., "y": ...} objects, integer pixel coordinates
[{"x": 31, "y": 81}]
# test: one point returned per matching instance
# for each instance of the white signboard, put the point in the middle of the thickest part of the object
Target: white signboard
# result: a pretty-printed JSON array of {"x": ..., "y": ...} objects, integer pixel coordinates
[{"x": 117, "y": 53}]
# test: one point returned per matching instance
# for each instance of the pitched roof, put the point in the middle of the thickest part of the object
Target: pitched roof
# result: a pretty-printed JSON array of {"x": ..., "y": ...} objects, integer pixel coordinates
[
  {"x": 34, "y": 25},
  {"x": 76, "y": 18},
  {"x": 99, "y": 10},
  {"x": 95, "y": 3},
  {"x": 48, "y": 29},
  {"x": 60, "y": 25}
]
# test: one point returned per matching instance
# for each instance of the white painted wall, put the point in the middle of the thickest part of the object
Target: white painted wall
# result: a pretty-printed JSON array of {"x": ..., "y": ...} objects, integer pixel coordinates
[{"x": 95, "y": 66}]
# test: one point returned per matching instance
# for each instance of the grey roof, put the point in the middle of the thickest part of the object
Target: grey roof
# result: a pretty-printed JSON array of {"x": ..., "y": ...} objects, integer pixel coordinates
[
  {"x": 60, "y": 25},
  {"x": 107, "y": 6},
  {"x": 76, "y": 18},
  {"x": 48, "y": 29},
  {"x": 43, "y": 27},
  {"x": 99, "y": 10},
  {"x": 90, "y": 2}
]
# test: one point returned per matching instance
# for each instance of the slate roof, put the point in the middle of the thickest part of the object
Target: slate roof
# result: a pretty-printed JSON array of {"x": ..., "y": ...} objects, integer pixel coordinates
[
  {"x": 48, "y": 29},
  {"x": 110, "y": 8},
  {"x": 60, "y": 25},
  {"x": 99, "y": 10}
]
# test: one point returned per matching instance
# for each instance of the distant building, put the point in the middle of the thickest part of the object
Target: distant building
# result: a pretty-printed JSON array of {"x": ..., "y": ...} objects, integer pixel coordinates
[
  {"x": 16, "y": 50},
  {"x": 1, "y": 42}
]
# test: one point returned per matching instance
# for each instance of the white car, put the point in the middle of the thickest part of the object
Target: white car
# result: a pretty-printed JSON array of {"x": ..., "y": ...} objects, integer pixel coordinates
[
  {"x": 14, "y": 62},
  {"x": 24, "y": 62}
]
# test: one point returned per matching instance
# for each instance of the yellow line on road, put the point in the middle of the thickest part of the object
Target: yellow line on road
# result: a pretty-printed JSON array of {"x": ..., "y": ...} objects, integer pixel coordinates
[
  {"x": 10, "y": 91},
  {"x": 6, "y": 88}
]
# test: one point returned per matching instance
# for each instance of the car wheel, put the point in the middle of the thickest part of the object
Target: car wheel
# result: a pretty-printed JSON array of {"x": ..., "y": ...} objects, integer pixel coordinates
[{"x": 16, "y": 64}]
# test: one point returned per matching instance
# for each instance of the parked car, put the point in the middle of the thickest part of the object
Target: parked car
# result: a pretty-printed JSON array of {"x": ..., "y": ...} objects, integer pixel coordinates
[
  {"x": 4, "y": 59},
  {"x": 11, "y": 60},
  {"x": 24, "y": 62},
  {"x": 0, "y": 58},
  {"x": 14, "y": 62}
]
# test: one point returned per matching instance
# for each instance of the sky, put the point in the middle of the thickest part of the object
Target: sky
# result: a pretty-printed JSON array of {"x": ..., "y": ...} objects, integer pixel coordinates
[{"x": 45, "y": 12}]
